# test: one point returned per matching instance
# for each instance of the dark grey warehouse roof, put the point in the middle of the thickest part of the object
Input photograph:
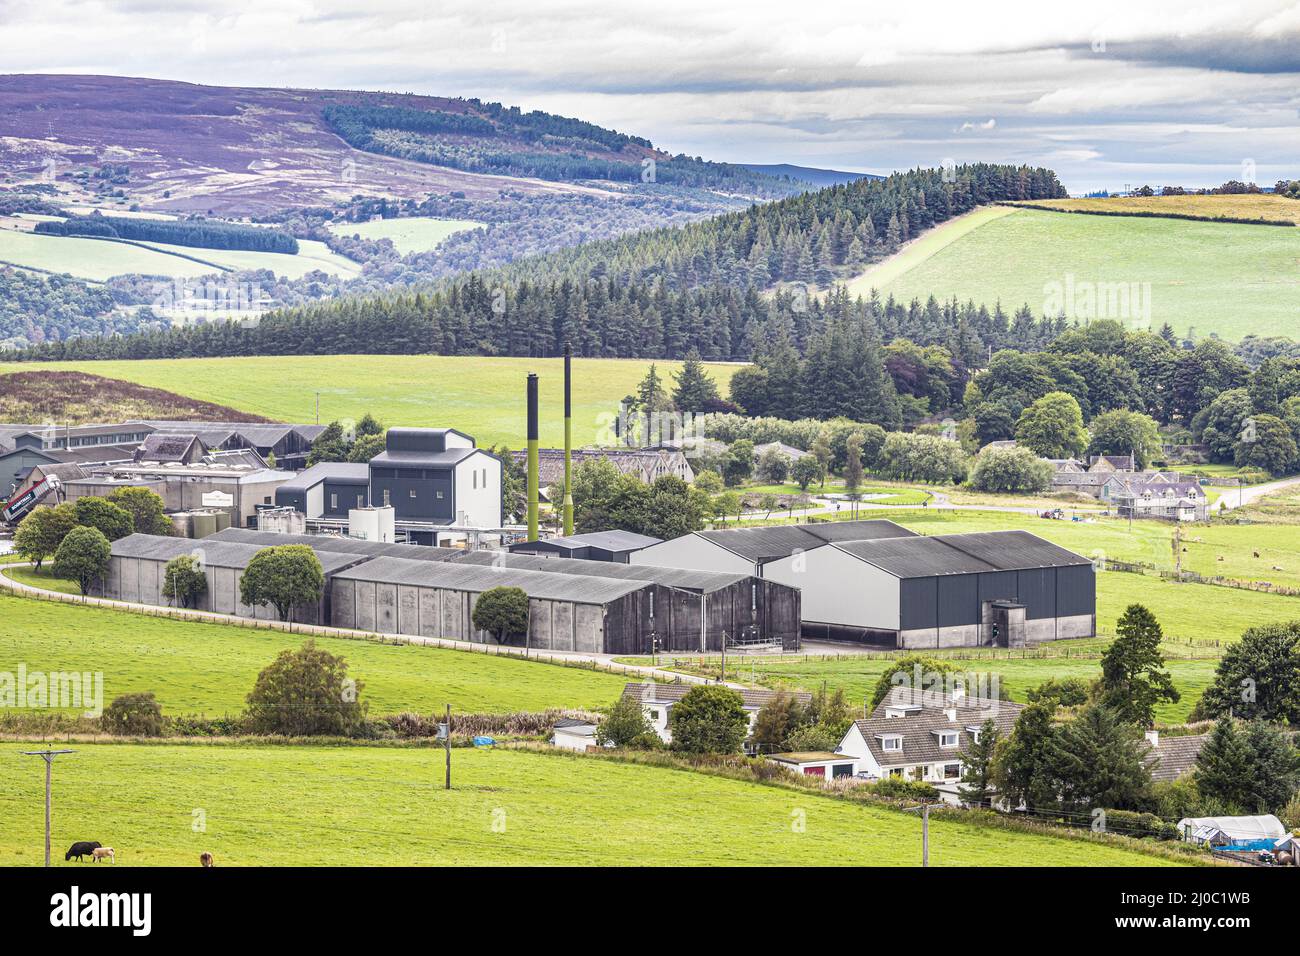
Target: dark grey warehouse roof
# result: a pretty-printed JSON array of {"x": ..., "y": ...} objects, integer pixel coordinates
[
  {"x": 455, "y": 576},
  {"x": 686, "y": 580},
  {"x": 336, "y": 543},
  {"x": 433, "y": 459},
  {"x": 984, "y": 551},
  {"x": 217, "y": 554},
  {"x": 781, "y": 541},
  {"x": 343, "y": 472},
  {"x": 615, "y": 540}
]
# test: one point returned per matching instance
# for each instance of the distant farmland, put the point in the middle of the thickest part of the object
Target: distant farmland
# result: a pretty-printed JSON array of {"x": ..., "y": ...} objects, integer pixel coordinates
[
  {"x": 1229, "y": 279},
  {"x": 411, "y": 234},
  {"x": 481, "y": 396},
  {"x": 1247, "y": 206}
]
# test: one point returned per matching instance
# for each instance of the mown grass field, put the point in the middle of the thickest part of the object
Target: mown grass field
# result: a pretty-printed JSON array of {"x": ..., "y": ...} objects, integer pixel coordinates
[
  {"x": 200, "y": 668},
  {"x": 99, "y": 260},
  {"x": 1233, "y": 280},
  {"x": 411, "y": 234},
  {"x": 1246, "y": 206},
  {"x": 481, "y": 396},
  {"x": 353, "y": 806}
]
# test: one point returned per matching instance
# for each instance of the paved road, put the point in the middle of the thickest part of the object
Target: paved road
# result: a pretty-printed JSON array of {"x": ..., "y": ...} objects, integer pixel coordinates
[{"x": 1234, "y": 498}]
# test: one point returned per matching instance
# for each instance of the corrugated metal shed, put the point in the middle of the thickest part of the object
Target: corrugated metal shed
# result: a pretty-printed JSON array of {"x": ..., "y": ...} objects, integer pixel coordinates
[
  {"x": 919, "y": 557},
  {"x": 342, "y": 472},
  {"x": 216, "y": 554},
  {"x": 686, "y": 580},
  {"x": 607, "y": 540},
  {"x": 336, "y": 543},
  {"x": 1013, "y": 550},
  {"x": 781, "y": 541},
  {"x": 455, "y": 576}
]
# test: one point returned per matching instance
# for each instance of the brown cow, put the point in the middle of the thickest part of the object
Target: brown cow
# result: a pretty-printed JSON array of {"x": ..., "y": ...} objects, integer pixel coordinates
[{"x": 205, "y": 858}]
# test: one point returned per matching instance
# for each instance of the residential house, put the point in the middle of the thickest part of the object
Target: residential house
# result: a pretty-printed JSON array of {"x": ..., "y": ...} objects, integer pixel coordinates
[
  {"x": 573, "y": 734},
  {"x": 1173, "y": 757},
  {"x": 917, "y": 740},
  {"x": 1162, "y": 498},
  {"x": 658, "y": 700},
  {"x": 789, "y": 451},
  {"x": 644, "y": 464}
]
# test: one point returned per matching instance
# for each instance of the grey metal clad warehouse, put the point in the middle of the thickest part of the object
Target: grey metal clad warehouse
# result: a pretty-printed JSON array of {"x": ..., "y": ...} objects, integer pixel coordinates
[
  {"x": 436, "y": 599},
  {"x": 333, "y": 542},
  {"x": 688, "y": 603},
  {"x": 748, "y": 549},
  {"x": 137, "y": 568},
  {"x": 616, "y": 546},
  {"x": 961, "y": 590}
]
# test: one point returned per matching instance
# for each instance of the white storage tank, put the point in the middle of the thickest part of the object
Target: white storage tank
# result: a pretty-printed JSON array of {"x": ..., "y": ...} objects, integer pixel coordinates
[{"x": 372, "y": 524}]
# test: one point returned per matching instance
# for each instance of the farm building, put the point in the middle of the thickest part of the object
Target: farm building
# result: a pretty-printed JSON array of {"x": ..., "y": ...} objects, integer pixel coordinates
[
  {"x": 334, "y": 542},
  {"x": 644, "y": 464},
  {"x": 748, "y": 610},
  {"x": 436, "y": 599},
  {"x": 573, "y": 734},
  {"x": 137, "y": 567},
  {"x": 993, "y": 588},
  {"x": 615, "y": 546},
  {"x": 747, "y": 550},
  {"x": 658, "y": 700}
]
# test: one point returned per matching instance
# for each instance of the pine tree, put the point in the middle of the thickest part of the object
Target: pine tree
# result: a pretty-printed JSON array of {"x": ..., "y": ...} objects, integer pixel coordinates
[
  {"x": 1132, "y": 676},
  {"x": 694, "y": 389},
  {"x": 977, "y": 766}
]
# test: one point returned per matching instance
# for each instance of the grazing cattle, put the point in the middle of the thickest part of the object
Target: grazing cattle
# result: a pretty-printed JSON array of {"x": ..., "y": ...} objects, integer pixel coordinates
[
  {"x": 1278, "y": 567},
  {"x": 103, "y": 853},
  {"x": 205, "y": 858},
  {"x": 1257, "y": 554},
  {"x": 83, "y": 848}
]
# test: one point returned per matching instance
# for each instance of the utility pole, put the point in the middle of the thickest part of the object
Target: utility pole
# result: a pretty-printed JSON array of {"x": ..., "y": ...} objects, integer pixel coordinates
[
  {"x": 318, "y": 408},
  {"x": 48, "y": 756},
  {"x": 723, "y": 678},
  {"x": 925, "y": 831},
  {"x": 446, "y": 744}
]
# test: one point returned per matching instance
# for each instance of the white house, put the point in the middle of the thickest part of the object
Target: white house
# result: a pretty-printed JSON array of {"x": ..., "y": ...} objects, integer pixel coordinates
[
  {"x": 572, "y": 734},
  {"x": 917, "y": 740},
  {"x": 658, "y": 700}
]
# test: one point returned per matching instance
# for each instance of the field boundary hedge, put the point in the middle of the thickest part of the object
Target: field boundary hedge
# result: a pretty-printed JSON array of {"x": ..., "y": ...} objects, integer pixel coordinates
[{"x": 1147, "y": 214}]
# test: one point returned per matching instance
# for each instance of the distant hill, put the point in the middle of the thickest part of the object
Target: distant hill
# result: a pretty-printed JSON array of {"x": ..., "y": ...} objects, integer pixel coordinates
[
  {"x": 235, "y": 151},
  {"x": 809, "y": 174}
]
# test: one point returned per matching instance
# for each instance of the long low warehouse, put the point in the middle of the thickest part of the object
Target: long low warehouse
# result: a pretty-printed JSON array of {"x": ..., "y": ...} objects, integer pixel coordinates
[
  {"x": 136, "y": 572},
  {"x": 575, "y": 605},
  {"x": 731, "y": 606}
]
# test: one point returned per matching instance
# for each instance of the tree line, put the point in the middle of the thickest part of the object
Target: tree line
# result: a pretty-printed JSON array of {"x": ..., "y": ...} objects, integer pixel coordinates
[{"x": 199, "y": 233}]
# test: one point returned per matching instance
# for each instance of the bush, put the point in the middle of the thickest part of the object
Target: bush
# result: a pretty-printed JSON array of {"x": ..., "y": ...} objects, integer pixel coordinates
[
  {"x": 306, "y": 693},
  {"x": 1141, "y": 825},
  {"x": 1066, "y": 691},
  {"x": 625, "y": 726},
  {"x": 1010, "y": 470},
  {"x": 502, "y": 612},
  {"x": 900, "y": 788},
  {"x": 133, "y": 715},
  {"x": 184, "y": 580}
]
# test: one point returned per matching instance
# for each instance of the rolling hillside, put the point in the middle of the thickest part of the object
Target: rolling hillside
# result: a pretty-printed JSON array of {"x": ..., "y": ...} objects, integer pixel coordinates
[
  {"x": 1208, "y": 278},
  {"x": 182, "y": 147}
]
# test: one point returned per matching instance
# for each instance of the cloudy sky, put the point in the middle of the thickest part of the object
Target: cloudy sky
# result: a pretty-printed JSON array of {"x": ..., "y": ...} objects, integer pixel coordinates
[{"x": 1107, "y": 93}]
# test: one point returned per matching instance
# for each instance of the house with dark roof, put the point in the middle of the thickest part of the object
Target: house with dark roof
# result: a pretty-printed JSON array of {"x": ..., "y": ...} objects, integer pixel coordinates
[
  {"x": 658, "y": 700},
  {"x": 1161, "y": 497},
  {"x": 1172, "y": 757},
  {"x": 993, "y": 588},
  {"x": 925, "y": 743}
]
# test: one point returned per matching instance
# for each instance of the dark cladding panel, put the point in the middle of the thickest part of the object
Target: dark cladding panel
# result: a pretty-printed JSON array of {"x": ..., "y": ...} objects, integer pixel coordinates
[
  {"x": 920, "y": 603},
  {"x": 1076, "y": 591},
  {"x": 998, "y": 586},
  {"x": 1038, "y": 591},
  {"x": 959, "y": 600}
]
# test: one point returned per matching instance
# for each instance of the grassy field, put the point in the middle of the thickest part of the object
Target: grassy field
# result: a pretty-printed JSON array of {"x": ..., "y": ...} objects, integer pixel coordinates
[
  {"x": 412, "y": 234},
  {"x": 923, "y": 247},
  {"x": 1232, "y": 280},
  {"x": 352, "y": 806},
  {"x": 198, "y": 668},
  {"x": 99, "y": 260},
  {"x": 44, "y": 578},
  {"x": 481, "y": 396},
  {"x": 1246, "y": 206}
]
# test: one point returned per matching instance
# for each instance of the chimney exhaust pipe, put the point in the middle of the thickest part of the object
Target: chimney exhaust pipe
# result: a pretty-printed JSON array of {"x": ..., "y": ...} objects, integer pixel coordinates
[
  {"x": 532, "y": 456},
  {"x": 568, "y": 441}
]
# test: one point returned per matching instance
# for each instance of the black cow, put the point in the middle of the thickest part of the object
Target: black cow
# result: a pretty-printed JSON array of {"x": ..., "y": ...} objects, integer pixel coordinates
[{"x": 84, "y": 848}]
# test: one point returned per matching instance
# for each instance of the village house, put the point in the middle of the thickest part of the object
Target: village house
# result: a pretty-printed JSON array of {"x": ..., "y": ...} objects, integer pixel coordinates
[{"x": 658, "y": 700}]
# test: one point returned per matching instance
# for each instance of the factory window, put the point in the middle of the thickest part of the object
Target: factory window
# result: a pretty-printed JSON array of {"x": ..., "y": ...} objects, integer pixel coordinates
[
  {"x": 266, "y": 500},
  {"x": 439, "y": 495},
  {"x": 361, "y": 501},
  {"x": 334, "y": 502},
  {"x": 385, "y": 497},
  {"x": 753, "y": 597},
  {"x": 474, "y": 479},
  {"x": 412, "y": 492}
]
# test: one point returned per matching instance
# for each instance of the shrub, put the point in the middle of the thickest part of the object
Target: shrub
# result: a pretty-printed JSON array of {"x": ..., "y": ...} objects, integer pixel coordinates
[
  {"x": 133, "y": 715},
  {"x": 306, "y": 693},
  {"x": 502, "y": 611},
  {"x": 1141, "y": 825},
  {"x": 184, "y": 580},
  {"x": 625, "y": 726},
  {"x": 900, "y": 788},
  {"x": 709, "y": 719},
  {"x": 1010, "y": 470}
]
